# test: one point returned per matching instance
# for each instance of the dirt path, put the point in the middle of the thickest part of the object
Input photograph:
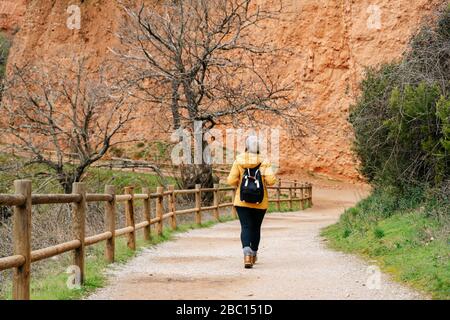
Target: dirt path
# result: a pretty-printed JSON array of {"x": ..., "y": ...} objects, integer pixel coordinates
[{"x": 294, "y": 262}]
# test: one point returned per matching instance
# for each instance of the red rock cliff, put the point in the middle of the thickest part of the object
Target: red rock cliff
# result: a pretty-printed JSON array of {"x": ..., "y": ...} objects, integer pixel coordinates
[{"x": 332, "y": 42}]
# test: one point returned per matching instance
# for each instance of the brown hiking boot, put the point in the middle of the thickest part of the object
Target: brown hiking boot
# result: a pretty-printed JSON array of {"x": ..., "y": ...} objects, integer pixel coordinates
[
  {"x": 254, "y": 259},
  {"x": 248, "y": 262}
]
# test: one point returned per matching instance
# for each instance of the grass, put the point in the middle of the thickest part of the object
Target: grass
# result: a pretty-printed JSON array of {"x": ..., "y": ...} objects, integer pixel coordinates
[
  {"x": 97, "y": 178},
  {"x": 144, "y": 150},
  {"x": 406, "y": 243},
  {"x": 284, "y": 207}
]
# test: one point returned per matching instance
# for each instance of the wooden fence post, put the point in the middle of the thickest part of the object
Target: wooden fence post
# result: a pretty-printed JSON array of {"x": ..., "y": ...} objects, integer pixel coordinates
[
  {"x": 233, "y": 208},
  {"x": 279, "y": 195},
  {"x": 172, "y": 207},
  {"x": 310, "y": 194},
  {"x": 306, "y": 193},
  {"x": 198, "y": 204},
  {"x": 302, "y": 196},
  {"x": 295, "y": 189},
  {"x": 79, "y": 226},
  {"x": 290, "y": 196},
  {"x": 110, "y": 223},
  {"x": 159, "y": 209},
  {"x": 147, "y": 214},
  {"x": 22, "y": 241},
  {"x": 216, "y": 202},
  {"x": 129, "y": 214}
]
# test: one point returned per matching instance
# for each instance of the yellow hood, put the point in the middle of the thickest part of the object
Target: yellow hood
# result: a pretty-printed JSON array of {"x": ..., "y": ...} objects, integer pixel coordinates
[{"x": 248, "y": 160}]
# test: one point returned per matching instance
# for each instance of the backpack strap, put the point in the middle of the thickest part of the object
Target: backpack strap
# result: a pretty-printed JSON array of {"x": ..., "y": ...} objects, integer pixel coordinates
[
  {"x": 246, "y": 177},
  {"x": 256, "y": 180}
]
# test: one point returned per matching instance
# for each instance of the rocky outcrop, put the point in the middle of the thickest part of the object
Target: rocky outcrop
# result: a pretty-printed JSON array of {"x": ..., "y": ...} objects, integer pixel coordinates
[{"x": 11, "y": 15}]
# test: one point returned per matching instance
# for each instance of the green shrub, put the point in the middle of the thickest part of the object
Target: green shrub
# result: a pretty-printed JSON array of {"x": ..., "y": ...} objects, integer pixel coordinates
[
  {"x": 402, "y": 117},
  {"x": 444, "y": 24},
  {"x": 378, "y": 233},
  {"x": 416, "y": 132},
  {"x": 4, "y": 51},
  {"x": 138, "y": 155},
  {"x": 117, "y": 152},
  {"x": 367, "y": 118},
  {"x": 162, "y": 148},
  {"x": 346, "y": 233}
]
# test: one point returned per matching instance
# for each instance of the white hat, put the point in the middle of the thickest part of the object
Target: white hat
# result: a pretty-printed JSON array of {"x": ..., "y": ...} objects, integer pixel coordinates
[{"x": 252, "y": 144}]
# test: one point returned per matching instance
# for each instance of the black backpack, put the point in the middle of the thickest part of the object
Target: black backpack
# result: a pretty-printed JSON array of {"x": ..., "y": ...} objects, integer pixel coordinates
[{"x": 252, "y": 189}]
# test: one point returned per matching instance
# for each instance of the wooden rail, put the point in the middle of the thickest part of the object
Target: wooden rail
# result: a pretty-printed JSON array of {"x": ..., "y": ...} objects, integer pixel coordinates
[{"x": 23, "y": 200}]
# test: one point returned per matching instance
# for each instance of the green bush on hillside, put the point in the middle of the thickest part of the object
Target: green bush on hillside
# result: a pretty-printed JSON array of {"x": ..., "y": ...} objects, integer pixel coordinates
[
  {"x": 416, "y": 133},
  {"x": 4, "y": 50},
  {"x": 402, "y": 118}
]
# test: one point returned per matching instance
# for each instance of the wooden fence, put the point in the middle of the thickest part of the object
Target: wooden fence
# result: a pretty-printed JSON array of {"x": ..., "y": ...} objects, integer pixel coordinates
[{"x": 23, "y": 200}]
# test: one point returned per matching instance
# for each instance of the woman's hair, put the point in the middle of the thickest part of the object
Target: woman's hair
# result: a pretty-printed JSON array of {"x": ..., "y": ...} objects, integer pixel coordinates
[{"x": 252, "y": 144}]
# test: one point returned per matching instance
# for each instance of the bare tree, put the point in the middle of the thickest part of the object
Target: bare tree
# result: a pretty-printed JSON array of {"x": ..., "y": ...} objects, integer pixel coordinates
[
  {"x": 198, "y": 60},
  {"x": 53, "y": 111}
]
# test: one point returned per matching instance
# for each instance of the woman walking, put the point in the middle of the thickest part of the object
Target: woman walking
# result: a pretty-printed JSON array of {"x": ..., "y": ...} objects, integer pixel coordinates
[{"x": 251, "y": 175}]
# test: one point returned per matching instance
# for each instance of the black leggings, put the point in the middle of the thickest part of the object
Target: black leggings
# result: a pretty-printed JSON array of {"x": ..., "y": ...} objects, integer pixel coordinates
[{"x": 251, "y": 220}]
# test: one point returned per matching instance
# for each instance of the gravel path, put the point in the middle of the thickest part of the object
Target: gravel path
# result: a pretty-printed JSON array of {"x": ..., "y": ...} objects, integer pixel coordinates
[{"x": 294, "y": 263}]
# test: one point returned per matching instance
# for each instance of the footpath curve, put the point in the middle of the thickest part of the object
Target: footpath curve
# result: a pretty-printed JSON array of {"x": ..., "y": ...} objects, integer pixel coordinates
[{"x": 294, "y": 262}]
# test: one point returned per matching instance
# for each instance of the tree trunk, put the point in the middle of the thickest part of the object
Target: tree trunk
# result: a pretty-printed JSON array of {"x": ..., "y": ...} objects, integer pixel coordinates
[
  {"x": 5, "y": 213},
  {"x": 66, "y": 182},
  {"x": 67, "y": 186},
  {"x": 192, "y": 174}
]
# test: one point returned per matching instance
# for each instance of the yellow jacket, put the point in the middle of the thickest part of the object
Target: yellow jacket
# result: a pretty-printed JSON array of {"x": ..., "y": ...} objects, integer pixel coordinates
[{"x": 250, "y": 160}]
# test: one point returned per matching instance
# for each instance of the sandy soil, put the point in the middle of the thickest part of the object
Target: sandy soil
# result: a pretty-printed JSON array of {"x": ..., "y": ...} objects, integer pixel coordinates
[{"x": 294, "y": 262}]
